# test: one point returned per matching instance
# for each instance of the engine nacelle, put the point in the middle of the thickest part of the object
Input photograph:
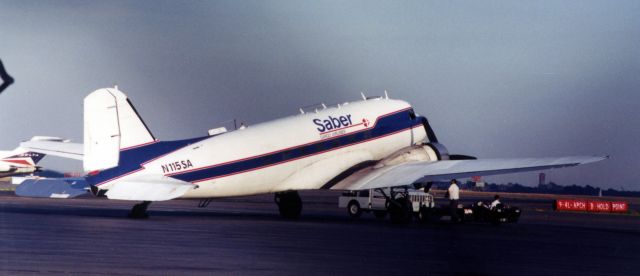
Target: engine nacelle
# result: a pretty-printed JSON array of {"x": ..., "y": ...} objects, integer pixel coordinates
[
  {"x": 438, "y": 150},
  {"x": 423, "y": 152}
]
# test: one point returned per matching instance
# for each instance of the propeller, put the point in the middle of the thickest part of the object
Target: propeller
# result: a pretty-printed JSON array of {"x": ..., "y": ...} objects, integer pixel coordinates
[
  {"x": 431, "y": 135},
  {"x": 461, "y": 157}
]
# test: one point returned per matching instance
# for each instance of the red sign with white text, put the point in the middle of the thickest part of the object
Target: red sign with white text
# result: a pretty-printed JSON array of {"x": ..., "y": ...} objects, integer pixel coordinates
[{"x": 592, "y": 206}]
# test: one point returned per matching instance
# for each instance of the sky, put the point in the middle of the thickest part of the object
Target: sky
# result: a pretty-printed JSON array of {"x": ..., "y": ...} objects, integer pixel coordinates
[{"x": 497, "y": 79}]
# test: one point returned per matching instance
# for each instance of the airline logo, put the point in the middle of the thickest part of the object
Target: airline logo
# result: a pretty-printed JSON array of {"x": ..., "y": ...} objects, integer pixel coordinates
[
  {"x": 331, "y": 123},
  {"x": 336, "y": 126},
  {"x": 36, "y": 157}
]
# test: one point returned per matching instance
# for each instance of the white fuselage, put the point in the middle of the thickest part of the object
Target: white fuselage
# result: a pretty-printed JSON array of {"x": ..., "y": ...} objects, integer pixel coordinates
[{"x": 294, "y": 153}]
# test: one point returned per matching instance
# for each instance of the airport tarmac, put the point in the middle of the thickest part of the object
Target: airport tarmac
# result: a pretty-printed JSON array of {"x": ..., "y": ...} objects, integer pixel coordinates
[{"x": 246, "y": 236}]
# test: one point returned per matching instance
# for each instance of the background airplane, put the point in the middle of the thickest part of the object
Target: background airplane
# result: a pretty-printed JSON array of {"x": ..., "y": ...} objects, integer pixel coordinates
[
  {"x": 373, "y": 143},
  {"x": 22, "y": 161}
]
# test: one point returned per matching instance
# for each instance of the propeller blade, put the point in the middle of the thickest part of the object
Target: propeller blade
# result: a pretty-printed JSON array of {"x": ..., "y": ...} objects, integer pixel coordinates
[
  {"x": 461, "y": 157},
  {"x": 430, "y": 134}
]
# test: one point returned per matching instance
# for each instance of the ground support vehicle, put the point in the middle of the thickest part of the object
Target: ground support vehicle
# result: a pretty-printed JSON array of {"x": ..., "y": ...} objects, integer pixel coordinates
[{"x": 402, "y": 204}]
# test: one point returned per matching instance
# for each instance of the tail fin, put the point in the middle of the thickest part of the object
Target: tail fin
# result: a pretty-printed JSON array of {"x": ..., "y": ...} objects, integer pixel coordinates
[
  {"x": 35, "y": 157},
  {"x": 111, "y": 124}
]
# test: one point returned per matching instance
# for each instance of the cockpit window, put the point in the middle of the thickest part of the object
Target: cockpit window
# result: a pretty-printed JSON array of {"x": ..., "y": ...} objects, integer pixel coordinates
[{"x": 412, "y": 114}]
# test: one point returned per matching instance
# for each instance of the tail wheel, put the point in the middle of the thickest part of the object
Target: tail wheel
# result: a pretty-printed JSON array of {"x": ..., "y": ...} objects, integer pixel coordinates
[
  {"x": 139, "y": 211},
  {"x": 354, "y": 209}
]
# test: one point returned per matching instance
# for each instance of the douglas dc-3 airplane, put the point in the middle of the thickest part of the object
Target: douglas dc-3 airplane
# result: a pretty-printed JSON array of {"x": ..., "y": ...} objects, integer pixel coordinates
[{"x": 368, "y": 144}]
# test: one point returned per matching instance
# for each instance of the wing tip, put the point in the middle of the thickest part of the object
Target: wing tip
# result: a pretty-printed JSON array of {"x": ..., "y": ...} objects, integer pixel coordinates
[{"x": 593, "y": 159}]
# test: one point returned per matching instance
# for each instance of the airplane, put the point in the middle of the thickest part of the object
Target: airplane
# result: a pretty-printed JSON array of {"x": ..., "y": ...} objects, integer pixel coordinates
[
  {"x": 372, "y": 143},
  {"x": 21, "y": 161}
]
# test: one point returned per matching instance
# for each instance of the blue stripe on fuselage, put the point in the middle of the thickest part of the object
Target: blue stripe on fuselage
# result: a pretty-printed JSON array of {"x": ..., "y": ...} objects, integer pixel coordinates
[
  {"x": 131, "y": 159},
  {"x": 386, "y": 125}
]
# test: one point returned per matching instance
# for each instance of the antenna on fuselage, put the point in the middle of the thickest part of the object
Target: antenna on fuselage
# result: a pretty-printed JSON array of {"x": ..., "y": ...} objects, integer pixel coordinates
[
  {"x": 386, "y": 95},
  {"x": 363, "y": 96}
]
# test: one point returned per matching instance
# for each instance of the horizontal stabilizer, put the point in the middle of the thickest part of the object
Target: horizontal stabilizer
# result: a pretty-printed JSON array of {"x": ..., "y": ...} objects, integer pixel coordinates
[
  {"x": 149, "y": 188},
  {"x": 61, "y": 149},
  {"x": 408, "y": 173},
  {"x": 53, "y": 187}
]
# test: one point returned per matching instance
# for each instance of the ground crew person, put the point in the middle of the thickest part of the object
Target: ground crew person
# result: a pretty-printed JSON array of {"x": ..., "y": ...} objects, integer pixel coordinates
[
  {"x": 454, "y": 196},
  {"x": 496, "y": 201}
]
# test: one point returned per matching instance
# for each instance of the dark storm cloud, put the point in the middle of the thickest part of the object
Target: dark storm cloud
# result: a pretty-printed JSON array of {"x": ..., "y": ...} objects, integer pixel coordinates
[{"x": 496, "y": 79}]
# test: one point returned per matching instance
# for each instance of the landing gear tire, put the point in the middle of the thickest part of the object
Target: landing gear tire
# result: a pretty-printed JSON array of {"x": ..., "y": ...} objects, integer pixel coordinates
[
  {"x": 354, "y": 209},
  {"x": 289, "y": 204},
  {"x": 139, "y": 211},
  {"x": 400, "y": 211},
  {"x": 380, "y": 214}
]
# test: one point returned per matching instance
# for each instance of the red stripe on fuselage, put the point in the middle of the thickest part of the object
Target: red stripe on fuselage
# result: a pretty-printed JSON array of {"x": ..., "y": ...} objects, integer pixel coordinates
[{"x": 302, "y": 157}]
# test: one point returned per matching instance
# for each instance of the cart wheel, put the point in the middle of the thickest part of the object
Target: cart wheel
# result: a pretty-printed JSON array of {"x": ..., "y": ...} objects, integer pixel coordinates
[{"x": 354, "y": 209}]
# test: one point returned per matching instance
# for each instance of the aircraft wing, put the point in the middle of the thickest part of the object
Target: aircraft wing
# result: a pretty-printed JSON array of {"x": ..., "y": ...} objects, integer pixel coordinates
[
  {"x": 149, "y": 188},
  {"x": 409, "y": 173},
  {"x": 55, "y": 148}
]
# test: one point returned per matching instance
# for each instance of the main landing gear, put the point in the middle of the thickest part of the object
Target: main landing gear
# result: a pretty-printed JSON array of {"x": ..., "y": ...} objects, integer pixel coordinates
[
  {"x": 400, "y": 211},
  {"x": 289, "y": 204},
  {"x": 139, "y": 210},
  {"x": 398, "y": 205}
]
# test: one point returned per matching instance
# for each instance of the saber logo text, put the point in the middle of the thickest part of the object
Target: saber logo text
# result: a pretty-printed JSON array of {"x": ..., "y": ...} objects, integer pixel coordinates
[{"x": 331, "y": 123}]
